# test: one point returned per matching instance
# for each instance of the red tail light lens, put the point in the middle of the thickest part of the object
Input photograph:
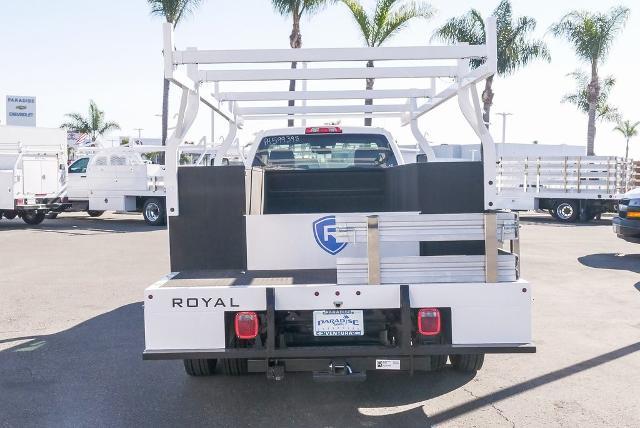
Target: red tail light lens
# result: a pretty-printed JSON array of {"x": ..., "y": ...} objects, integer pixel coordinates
[
  {"x": 246, "y": 324},
  {"x": 323, "y": 130},
  {"x": 429, "y": 321}
]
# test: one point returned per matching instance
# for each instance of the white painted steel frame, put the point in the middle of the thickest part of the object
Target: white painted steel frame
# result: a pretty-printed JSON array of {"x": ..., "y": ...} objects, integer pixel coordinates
[
  {"x": 481, "y": 312},
  {"x": 191, "y": 81}
]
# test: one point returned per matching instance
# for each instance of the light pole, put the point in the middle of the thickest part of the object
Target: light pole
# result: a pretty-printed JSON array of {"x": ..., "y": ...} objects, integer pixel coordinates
[
  {"x": 504, "y": 124},
  {"x": 139, "y": 132}
]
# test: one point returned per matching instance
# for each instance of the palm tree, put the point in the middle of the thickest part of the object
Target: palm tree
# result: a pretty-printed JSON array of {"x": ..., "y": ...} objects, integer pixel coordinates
[
  {"x": 94, "y": 124},
  {"x": 296, "y": 9},
  {"x": 173, "y": 11},
  {"x": 580, "y": 98},
  {"x": 386, "y": 20},
  {"x": 628, "y": 131},
  {"x": 592, "y": 35},
  {"x": 516, "y": 48}
]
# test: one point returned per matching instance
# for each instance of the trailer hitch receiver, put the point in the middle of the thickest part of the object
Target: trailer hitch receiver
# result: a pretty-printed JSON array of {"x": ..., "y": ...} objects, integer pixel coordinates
[{"x": 339, "y": 372}]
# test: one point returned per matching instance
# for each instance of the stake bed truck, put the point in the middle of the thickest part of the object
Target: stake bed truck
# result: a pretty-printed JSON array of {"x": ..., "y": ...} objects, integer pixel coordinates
[
  {"x": 556, "y": 178},
  {"x": 326, "y": 252}
]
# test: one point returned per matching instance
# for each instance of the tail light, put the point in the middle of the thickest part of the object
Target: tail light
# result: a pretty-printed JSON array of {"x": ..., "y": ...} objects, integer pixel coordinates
[
  {"x": 429, "y": 321},
  {"x": 20, "y": 202},
  {"x": 323, "y": 130},
  {"x": 246, "y": 324}
]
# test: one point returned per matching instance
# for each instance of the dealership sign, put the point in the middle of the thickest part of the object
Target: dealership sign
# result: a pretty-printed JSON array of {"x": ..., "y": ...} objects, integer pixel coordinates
[{"x": 21, "y": 111}]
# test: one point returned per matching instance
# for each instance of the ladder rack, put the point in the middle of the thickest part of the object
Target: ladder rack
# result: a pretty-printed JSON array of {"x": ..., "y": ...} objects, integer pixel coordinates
[{"x": 412, "y": 74}]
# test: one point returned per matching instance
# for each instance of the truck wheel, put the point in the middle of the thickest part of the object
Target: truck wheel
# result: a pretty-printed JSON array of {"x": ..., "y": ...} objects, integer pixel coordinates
[
  {"x": 9, "y": 215},
  {"x": 235, "y": 366},
  {"x": 567, "y": 211},
  {"x": 94, "y": 213},
  {"x": 33, "y": 217},
  {"x": 467, "y": 363},
  {"x": 200, "y": 367},
  {"x": 437, "y": 362},
  {"x": 153, "y": 212}
]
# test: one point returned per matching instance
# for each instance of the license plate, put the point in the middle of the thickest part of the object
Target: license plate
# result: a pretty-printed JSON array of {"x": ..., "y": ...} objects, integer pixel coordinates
[{"x": 338, "y": 322}]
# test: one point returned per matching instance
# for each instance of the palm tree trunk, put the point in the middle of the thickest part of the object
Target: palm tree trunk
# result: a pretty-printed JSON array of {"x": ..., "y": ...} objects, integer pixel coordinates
[
  {"x": 593, "y": 93},
  {"x": 369, "y": 102},
  {"x": 295, "y": 41},
  {"x": 487, "y": 100},
  {"x": 292, "y": 88},
  {"x": 626, "y": 152},
  {"x": 165, "y": 110}
]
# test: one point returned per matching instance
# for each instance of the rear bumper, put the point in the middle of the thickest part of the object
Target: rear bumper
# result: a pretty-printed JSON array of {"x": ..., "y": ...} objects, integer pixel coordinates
[
  {"x": 45, "y": 203},
  {"x": 312, "y": 352},
  {"x": 627, "y": 229},
  {"x": 49, "y": 207},
  {"x": 485, "y": 318}
]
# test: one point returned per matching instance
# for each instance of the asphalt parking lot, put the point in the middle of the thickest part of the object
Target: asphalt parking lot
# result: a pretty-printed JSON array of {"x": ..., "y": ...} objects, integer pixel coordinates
[{"x": 71, "y": 338}]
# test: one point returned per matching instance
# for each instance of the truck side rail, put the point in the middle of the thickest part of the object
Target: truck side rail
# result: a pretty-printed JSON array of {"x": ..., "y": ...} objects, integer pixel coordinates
[
  {"x": 492, "y": 228},
  {"x": 569, "y": 174}
]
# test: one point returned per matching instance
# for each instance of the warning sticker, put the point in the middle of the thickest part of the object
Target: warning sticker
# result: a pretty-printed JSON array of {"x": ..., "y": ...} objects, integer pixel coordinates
[{"x": 387, "y": 364}]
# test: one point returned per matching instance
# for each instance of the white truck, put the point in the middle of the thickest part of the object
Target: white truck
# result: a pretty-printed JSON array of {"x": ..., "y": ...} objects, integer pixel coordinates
[
  {"x": 32, "y": 172},
  {"x": 117, "y": 179},
  {"x": 121, "y": 179},
  {"x": 560, "y": 179},
  {"x": 326, "y": 252}
]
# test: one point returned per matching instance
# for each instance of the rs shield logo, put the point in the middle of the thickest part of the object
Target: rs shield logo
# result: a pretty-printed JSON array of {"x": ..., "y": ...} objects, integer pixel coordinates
[{"x": 323, "y": 230}]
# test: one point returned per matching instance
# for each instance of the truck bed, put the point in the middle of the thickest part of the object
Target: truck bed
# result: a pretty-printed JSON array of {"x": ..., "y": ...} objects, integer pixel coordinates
[{"x": 237, "y": 277}]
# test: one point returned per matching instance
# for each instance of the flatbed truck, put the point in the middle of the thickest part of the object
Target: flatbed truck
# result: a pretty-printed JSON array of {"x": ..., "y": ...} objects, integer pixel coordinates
[{"x": 326, "y": 252}]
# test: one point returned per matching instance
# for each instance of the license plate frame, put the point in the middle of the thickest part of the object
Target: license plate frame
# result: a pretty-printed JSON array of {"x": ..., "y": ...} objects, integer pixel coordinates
[{"x": 338, "y": 323}]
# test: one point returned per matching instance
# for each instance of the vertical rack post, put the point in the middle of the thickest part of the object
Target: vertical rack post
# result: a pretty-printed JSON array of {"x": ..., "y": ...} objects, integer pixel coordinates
[
  {"x": 491, "y": 247},
  {"x": 373, "y": 249}
]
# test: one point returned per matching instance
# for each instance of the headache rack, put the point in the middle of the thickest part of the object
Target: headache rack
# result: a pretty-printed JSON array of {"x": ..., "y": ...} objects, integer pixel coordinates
[{"x": 412, "y": 88}]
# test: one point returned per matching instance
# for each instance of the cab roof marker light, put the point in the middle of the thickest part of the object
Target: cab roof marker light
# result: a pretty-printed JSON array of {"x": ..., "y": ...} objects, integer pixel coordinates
[{"x": 323, "y": 130}]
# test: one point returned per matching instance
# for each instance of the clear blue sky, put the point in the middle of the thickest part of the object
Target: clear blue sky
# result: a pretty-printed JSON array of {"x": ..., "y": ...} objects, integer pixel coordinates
[{"x": 65, "y": 52}]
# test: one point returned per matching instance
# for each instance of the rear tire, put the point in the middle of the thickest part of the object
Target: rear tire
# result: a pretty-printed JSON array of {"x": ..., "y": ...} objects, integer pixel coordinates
[
  {"x": 93, "y": 213},
  {"x": 437, "y": 362},
  {"x": 153, "y": 212},
  {"x": 200, "y": 367},
  {"x": 33, "y": 217},
  {"x": 235, "y": 366},
  {"x": 469, "y": 363},
  {"x": 9, "y": 215},
  {"x": 567, "y": 211}
]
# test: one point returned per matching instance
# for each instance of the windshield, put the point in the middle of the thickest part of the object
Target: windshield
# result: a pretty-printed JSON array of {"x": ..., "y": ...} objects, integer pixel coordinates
[{"x": 325, "y": 151}]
